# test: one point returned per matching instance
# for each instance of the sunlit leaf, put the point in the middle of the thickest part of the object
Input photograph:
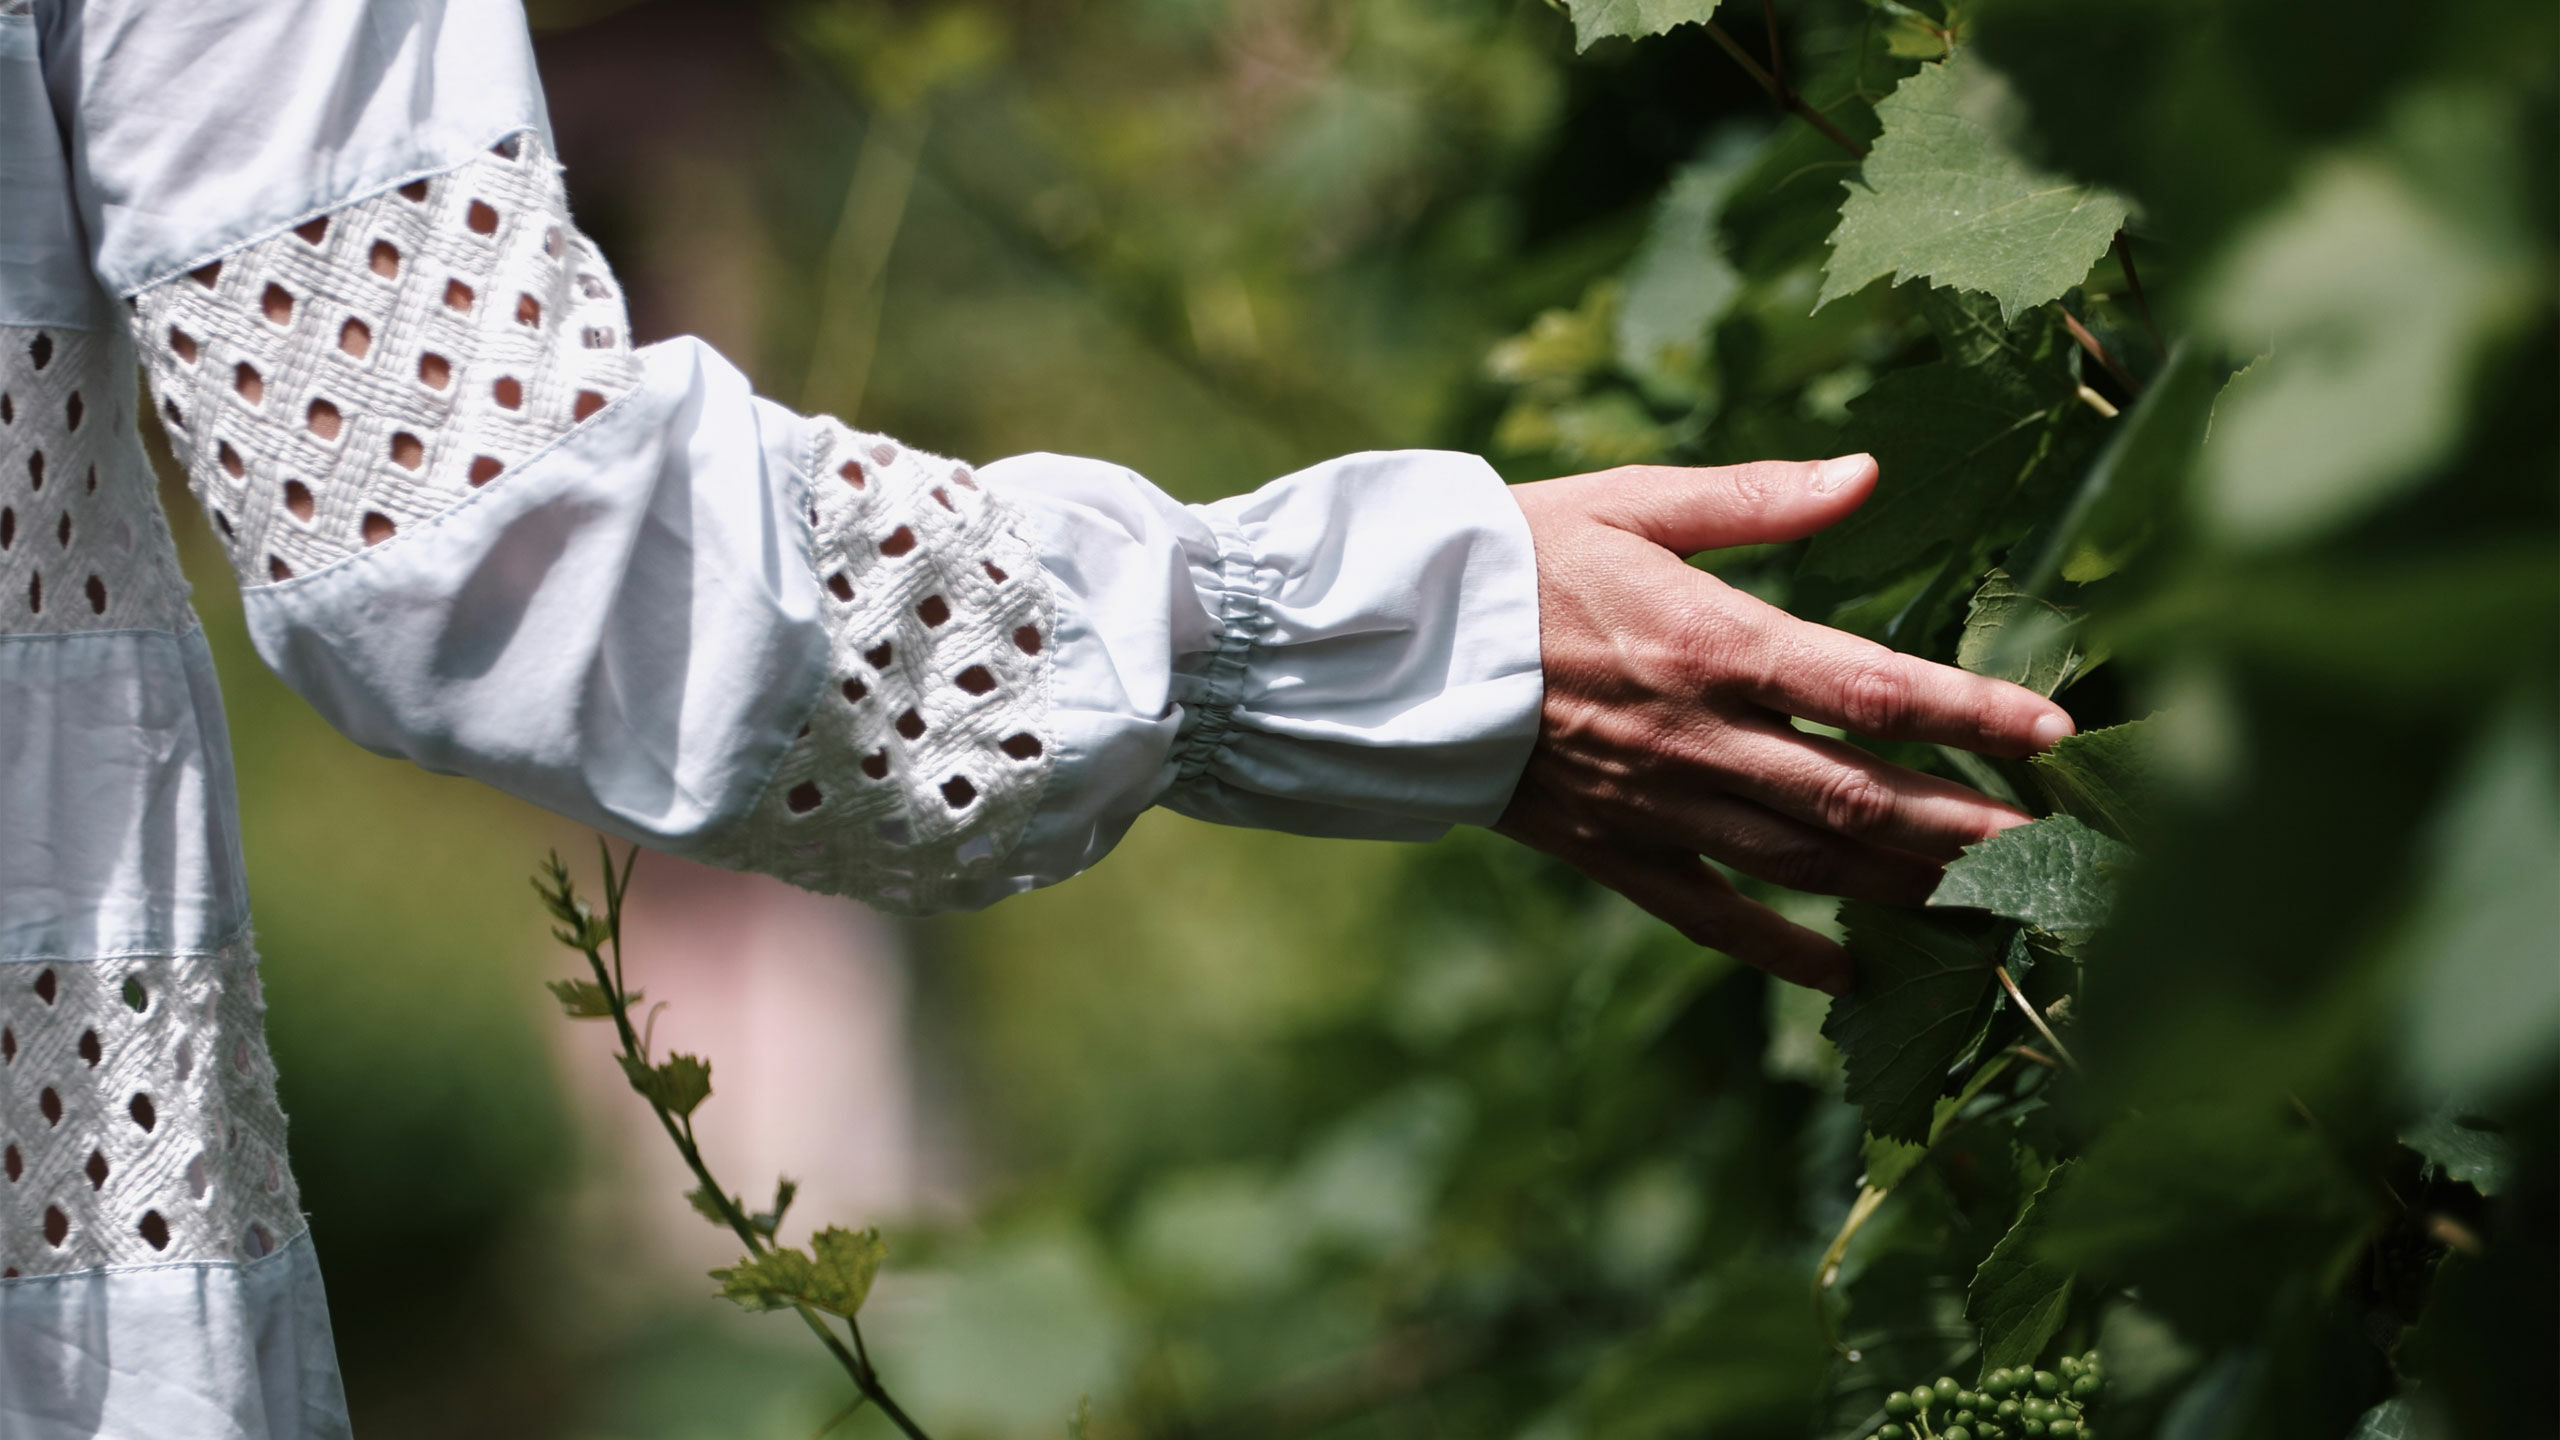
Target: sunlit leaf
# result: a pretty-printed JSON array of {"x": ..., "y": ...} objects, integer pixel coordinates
[
  {"x": 1944, "y": 196},
  {"x": 1635, "y": 19},
  {"x": 2055, "y": 874}
]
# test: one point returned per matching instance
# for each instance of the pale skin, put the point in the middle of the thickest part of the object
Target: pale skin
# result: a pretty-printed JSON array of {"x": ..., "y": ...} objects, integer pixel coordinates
[{"x": 1667, "y": 731}]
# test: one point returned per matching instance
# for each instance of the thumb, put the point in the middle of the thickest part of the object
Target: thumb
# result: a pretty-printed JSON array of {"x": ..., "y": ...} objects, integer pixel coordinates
[{"x": 1692, "y": 508}]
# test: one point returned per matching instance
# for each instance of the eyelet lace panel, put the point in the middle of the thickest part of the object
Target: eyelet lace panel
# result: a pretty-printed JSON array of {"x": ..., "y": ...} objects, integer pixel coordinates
[
  {"x": 83, "y": 545},
  {"x": 138, "y": 1116},
  {"x": 370, "y": 368},
  {"x": 927, "y": 752}
]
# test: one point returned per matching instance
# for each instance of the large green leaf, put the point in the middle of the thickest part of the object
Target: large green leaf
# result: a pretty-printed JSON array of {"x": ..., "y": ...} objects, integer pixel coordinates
[
  {"x": 1924, "y": 986},
  {"x": 1954, "y": 444},
  {"x": 2211, "y": 1209},
  {"x": 2018, "y": 1297},
  {"x": 1635, "y": 19},
  {"x": 2103, "y": 778},
  {"x": 1948, "y": 199},
  {"x": 2482, "y": 1008},
  {"x": 2013, "y": 635},
  {"x": 2056, "y": 874},
  {"x": 1681, "y": 282},
  {"x": 2375, "y": 298}
]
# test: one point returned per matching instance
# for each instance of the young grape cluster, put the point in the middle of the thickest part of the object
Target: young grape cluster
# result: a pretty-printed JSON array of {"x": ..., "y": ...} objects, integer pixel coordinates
[{"x": 2011, "y": 1403}]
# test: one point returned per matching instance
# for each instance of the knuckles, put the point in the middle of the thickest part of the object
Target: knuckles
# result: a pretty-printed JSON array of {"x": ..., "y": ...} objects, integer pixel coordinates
[
  {"x": 1854, "y": 803},
  {"x": 1878, "y": 698}
]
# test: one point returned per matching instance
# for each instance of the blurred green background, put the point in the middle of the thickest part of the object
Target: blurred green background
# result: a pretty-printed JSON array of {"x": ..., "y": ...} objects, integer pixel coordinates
[{"x": 1247, "y": 1135}]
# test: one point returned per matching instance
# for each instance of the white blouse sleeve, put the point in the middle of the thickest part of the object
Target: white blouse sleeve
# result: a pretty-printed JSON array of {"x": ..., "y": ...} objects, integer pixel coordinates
[{"x": 477, "y": 528}]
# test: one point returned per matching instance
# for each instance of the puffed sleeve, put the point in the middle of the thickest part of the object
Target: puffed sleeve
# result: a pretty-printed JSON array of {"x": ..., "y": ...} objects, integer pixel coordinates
[{"x": 476, "y": 527}]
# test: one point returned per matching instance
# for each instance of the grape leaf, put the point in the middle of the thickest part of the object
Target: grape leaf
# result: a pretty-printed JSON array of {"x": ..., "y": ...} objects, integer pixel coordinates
[
  {"x": 2055, "y": 874},
  {"x": 1635, "y": 19},
  {"x": 2211, "y": 1207},
  {"x": 2482, "y": 1007},
  {"x": 2016, "y": 636},
  {"x": 837, "y": 1280},
  {"x": 680, "y": 1085},
  {"x": 2465, "y": 1148},
  {"x": 2019, "y": 1298},
  {"x": 1944, "y": 197},
  {"x": 1681, "y": 282},
  {"x": 1924, "y": 985},
  {"x": 1953, "y": 443},
  {"x": 2377, "y": 298},
  {"x": 2101, "y": 778},
  {"x": 584, "y": 999}
]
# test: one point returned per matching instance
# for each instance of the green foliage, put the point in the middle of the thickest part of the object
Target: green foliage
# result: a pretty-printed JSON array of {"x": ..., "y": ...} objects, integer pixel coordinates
[
  {"x": 1476, "y": 1150},
  {"x": 1924, "y": 988},
  {"x": 2055, "y": 874},
  {"x": 833, "y": 1275},
  {"x": 1634, "y": 19},
  {"x": 1945, "y": 198},
  {"x": 678, "y": 1084},
  {"x": 2019, "y": 1298},
  {"x": 2103, "y": 778}
]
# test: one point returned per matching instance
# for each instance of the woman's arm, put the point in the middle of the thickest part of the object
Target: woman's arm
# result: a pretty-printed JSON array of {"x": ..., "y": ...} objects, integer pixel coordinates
[{"x": 477, "y": 529}]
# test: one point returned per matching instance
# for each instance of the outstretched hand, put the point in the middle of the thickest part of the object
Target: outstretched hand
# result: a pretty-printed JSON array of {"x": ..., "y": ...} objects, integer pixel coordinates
[{"x": 1667, "y": 731}]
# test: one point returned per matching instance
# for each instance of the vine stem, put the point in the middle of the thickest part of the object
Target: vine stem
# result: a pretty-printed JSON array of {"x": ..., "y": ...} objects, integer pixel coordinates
[
  {"x": 856, "y": 1362},
  {"x": 2035, "y": 1017},
  {"x": 1781, "y": 92},
  {"x": 2098, "y": 352}
]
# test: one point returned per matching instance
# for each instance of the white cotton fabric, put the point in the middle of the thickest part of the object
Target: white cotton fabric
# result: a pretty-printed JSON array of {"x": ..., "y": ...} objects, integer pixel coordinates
[
  {"x": 187, "y": 1351},
  {"x": 1350, "y": 651},
  {"x": 197, "y": 126},
  {"x": 636, "y": 624}
]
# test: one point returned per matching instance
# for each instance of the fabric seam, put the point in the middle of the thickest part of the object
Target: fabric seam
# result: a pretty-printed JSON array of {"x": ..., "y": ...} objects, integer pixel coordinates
[{"x": 207, "y": 257}]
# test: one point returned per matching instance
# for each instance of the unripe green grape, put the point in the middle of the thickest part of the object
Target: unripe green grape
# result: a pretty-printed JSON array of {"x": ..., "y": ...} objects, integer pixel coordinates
[
  {"x": 2047, "y": 1383},
  {"x": 1965, "y": 1415},
  {"x": 2084, "y": 1388},
  {"x": 2010, "y": 1409},
  {"x": 2068, "y": 1365},
  {"x": 1973, "y": 1400},
  {"x": 2090, "y": 1360},
  {"x": 1890, "y": 1431},
  {"x": 1898, "y": 1405},
  {"x": 1947, "y": 1389},
  {"x": 1922, "y": 1397},
  {"x": 1955, "y": 1432},
  {"x": 1996, "y": 1382},
  {"x": 2063, "y": 1427},
  {"x": 2031, "y": 1426}
]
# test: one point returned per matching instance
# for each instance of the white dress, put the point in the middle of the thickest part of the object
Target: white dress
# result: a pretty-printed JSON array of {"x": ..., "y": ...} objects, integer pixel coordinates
[{"x": 476, "y": 527}]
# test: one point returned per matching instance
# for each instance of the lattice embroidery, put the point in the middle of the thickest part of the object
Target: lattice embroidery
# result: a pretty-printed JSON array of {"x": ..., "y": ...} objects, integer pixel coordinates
[
  {"x": 83, "y": 545},
  {"x": 925, "y": 756},
  {"x": 371, "y": 367},
  {"x": 138, "y": 1116}
]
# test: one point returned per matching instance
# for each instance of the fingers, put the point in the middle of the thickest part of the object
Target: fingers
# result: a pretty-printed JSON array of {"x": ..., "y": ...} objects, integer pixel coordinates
[
  {"x": 1845, "y": 790},
  {"x": 1680, "y": 890},
  {"x": 1839, "y": 679},
  {"x": 1692, "y": 508},
  {"x": 1763, "y": 844}
]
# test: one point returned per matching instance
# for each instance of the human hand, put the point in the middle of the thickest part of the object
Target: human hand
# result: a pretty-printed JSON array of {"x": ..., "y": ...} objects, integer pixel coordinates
[{"x": 1666, "y": 733}]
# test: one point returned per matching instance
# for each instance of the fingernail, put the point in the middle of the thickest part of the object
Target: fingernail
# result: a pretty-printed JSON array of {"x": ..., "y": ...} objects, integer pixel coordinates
[
  {"x": 2051, "y": 729},
  {"x": 1830, "y": 475}
]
